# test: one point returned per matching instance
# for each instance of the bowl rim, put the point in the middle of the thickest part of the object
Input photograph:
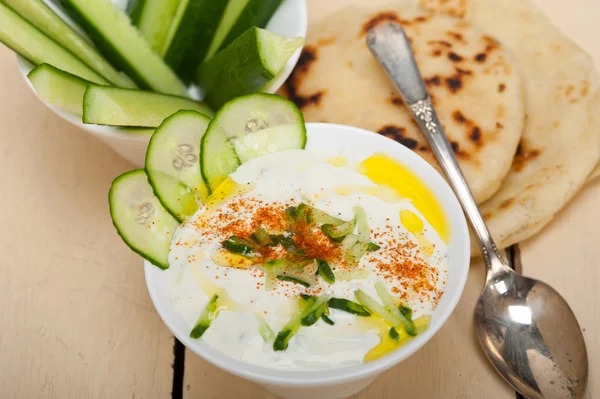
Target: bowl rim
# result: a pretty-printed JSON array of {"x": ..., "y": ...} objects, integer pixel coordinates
[
  {"x": 299, "y": 10},
  {"x": 340, "y": 375}
]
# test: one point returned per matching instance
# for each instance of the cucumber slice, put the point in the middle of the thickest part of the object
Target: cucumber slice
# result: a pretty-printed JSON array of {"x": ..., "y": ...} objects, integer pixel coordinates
[
  {"x": 123, "y": 45},
  {"x": 210, "y": 312},
  {"x": 239, "y": 16},
  {"x": 259, "y": 124},
  {"x": 41, "y": 16},
  {"x": 59, "y": 88},
  {"x": 126, "y": 107},
  {"x": 31, "y": 44},
  {"x": 141, "y": 221},
  {"x": 173, "y": 164},
  {"x": 218, "y": 158},
  {"x": 245, "y": 66},
  {"x": 153, "y": 19},
  {"x": 190, "y": 34}
]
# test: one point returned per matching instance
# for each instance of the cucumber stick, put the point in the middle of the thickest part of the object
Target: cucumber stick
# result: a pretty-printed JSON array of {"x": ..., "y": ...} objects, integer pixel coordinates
[
  {"x": 30, "y": 43},
  {"x": 239, "y": 16},
  {"x": 190, "y": 34},
  {"x": 141, "y": 221},
  {"x": 245, "y": 66},
  {"x": 123, "y": 45},
  {"x": 126, "y": 107},
  {"x": 59, "y": 88},
  {"x": 153, "y": 19},
  {"x": 41, "y": 16},
  {"x": 173, "y": 163}
]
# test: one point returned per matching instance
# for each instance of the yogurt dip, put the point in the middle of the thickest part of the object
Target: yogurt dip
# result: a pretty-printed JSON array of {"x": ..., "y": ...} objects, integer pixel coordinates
[{"x": 405, "y": 221}]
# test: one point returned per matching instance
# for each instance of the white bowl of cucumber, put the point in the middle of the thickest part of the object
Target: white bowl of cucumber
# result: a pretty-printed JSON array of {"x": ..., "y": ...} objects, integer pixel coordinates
[
  {"x": 345, "y": 145},
  {"x": 57, "y": 38}
]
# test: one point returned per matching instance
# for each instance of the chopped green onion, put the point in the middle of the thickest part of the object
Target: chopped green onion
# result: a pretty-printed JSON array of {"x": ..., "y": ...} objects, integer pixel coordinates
[
  {"x": 264, "y": 330},
  {"x": 238, "y": 245},
  {"x": 394, "y": 334},
  {"x": 391, "y": 306},
  {"x": 325, "y": 271},
  {"x": 293, "y": 280},
  {"x": 209, "y": 313},
  {"x": 348, "y": 306},
  {"x": 263, "y": 238},
  {"x": 362, "y": 224},
  {"x": 372, "y": 247},
  {"x": 327, "y": 320}
]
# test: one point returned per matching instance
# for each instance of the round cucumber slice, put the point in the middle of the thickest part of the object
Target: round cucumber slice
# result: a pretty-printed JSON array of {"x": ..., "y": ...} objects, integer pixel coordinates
[
  {"x": 173, "y": 163},
  {"x": 141, "y": 221},
  {"x": 247, "y": 127}
]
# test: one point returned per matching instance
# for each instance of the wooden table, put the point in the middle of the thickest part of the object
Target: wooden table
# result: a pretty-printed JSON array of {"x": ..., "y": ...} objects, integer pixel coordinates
[{"x": 76, "y": 319}]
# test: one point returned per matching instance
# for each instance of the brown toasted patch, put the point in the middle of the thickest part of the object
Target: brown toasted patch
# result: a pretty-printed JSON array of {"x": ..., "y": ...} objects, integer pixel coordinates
[
  {"x": 437, "y": 53},
  {"x": 500, "y": 112},
  {"x": 326, "y": 41},
  {"x": 585, "y": 88},
  {"x": 569, "y": 90},
  {"x": 350, "y": 64},
  {"x": 396, "y": 100},
  {"x": 377, "y": 19},
  {"x": 440, "y": 42},
  {"x": 490, "y": 43},
  {"x": 454, "y": 57},
  {"x": 457, "y": 36},
  {"x": 501, "y": 87},
  {"x": 421, "y": 19},
  {"x": 555, "y": 124},
  {"x": 454, "y": 83},
  {"x": 487, "y": 215},
  {"x": 423, "y": 148},
  {"x": 523, "y": 156},
  {"x": 506, "y": 203},
  {"x": 462, "y": 71},
  {"x": 459, "y": 117},
  {"x": 499, "y": 125},
  {"x": 481, "y": 57},
  {"x": 307, "y": 57},
  {"x": 475, "y": 135},
  {"x": 397, "y": 133},
  {"x": 433, "y": 81}
]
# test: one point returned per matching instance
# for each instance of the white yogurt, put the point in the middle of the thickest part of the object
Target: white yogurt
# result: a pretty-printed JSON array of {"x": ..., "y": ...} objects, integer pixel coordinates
[{"x": 296, "y": 176}]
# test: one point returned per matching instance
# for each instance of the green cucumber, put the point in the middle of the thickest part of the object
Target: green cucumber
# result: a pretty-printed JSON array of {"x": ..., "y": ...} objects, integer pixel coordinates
[
  {"x": 189, "y": 35},
  {"x": 127, "y": 107},
  {"x": 259, "y": 124},
  {"x": 237, "y": 245},
  {"x": 389, "y": 303},
  {"x": 153, "y": 19},
  {"x": 239, "y": 16},
  {"x": 245, "y": 66},
  {"x": 42, "y": 17},
  {"x": 264, "y": 330},
  {"x": 348, "y": 306},
  {"x": 362, "y": 225},
  {"x": 30, "y": 43},
  {"x": 123, "y": 45},
  {"x": 173, "y": 163},
  {"x": 324, "y": 270},
  {"x": 293, "y": 325},
  {"x": 59, "y": 88},
  {"x": 141, "y": 221},
  {"x": 389, "y": 313},
  {"x": 210, "y": 312}
]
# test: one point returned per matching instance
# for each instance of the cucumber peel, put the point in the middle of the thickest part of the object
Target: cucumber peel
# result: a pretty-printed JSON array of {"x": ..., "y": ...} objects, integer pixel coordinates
[
  {"x": 209, "y": 313},
  {"x": 173, "y": 163},
  {"x": 141, "y": 221}
]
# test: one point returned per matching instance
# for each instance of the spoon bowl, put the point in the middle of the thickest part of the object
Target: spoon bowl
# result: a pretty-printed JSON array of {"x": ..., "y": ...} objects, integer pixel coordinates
[{"x": 531, "y": 336}]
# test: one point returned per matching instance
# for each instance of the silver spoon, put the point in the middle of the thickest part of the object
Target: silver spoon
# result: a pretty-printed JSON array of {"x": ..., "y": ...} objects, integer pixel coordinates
[{"x": 526, "y": 329}]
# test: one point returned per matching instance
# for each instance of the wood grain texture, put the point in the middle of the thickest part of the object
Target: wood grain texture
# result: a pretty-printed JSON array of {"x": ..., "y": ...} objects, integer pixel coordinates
[{"x": 76, "y": 318}]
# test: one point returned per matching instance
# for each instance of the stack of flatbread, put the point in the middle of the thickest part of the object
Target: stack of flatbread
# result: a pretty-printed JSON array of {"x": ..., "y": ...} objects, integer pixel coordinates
[{"x": 519, "y": 101}]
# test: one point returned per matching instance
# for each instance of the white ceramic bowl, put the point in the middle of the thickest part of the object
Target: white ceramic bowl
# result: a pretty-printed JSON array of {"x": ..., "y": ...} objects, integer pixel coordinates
[
  {"x": 289, "y": 20},
  {"x": 342, "y": 382}
]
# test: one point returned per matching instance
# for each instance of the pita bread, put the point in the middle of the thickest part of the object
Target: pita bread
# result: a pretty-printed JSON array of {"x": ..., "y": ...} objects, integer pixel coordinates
[
  {"x": 560, "y": 144},
  {"x": 473, "y": 82}
]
